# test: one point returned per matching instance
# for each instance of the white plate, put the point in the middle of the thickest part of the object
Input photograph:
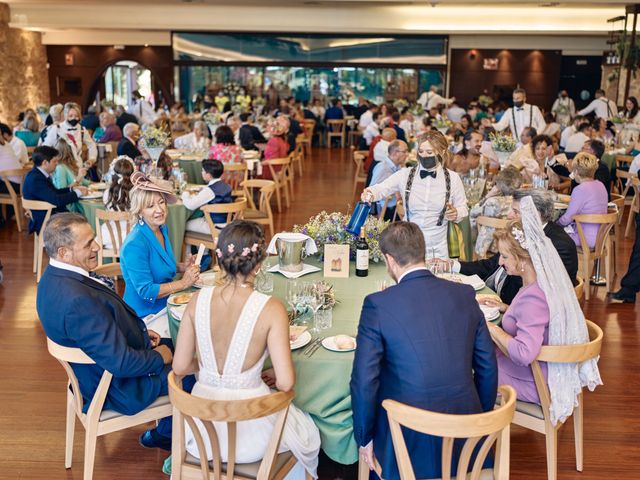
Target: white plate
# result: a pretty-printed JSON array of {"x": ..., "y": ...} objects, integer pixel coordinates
[
  {"x": 490, "y": 313},
  {"x": 98, "y": 186},
  {"x": 474, "y": 280},
  {"x": 172, "y": 302},
  {"x": 91, "y": 196},
  {"x": 330, "y": 344},
  {"x": 301, "y": 341},
  {"x": 207, "y": 279}
]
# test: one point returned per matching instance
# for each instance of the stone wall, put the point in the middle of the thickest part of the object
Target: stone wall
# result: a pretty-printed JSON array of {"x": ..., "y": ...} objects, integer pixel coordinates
[
  {"x": 610, "y": 83},
  {"x": 24, "y": 79}
]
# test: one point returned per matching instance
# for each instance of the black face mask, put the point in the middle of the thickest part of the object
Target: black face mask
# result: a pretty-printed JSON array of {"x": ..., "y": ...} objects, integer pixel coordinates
[
  {"x": 73, "y": 122},
  {"x": 208, "y": 105},
  {"x": 518, "y": 104},
  {"x": 428, "y": 162}
]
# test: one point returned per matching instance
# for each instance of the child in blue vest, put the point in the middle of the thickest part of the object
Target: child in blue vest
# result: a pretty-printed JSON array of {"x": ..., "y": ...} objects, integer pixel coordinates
[{"x": 216, "y": 191}]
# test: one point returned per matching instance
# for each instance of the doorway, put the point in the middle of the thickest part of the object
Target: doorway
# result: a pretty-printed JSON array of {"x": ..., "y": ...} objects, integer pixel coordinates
[{"x": 123, "y": 78}]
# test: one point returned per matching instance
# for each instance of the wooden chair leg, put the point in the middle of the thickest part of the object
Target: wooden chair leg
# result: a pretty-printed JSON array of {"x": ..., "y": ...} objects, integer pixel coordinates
[
  {"x": 501, "y": 464},
  {"x": 18, "y": 214},
  {"x": 35, "y": 253},
  {"x": 278, "y": 200},
  {"x": 578, "y": 432},
  {"x": 91, "y": 435},
  {"x": 70, "y": 431},
  {"x": 630, "y": 221},
  {"x": 551, "y": 437},
  {"x": 40, "y": 258},
  {"x": 586, "y": 269}
]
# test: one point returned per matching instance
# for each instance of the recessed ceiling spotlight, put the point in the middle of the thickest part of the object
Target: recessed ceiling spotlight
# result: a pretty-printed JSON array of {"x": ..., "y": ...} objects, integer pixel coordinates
[{"x": 549, "y": 4}]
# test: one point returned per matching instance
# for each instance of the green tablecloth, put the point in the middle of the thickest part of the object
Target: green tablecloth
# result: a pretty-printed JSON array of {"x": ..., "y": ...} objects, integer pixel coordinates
[
  {"x": 322, "y": 386},
  {"x": 176, "y": 221},
  {"x": 193, "y": 169}
]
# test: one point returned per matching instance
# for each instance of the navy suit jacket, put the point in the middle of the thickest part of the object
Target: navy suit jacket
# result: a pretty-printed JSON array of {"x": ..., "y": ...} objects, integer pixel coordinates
[
  {"x": 76, "y": 311},
  {"x": 38, "y": 187},
  {"x": 126, "y": 147},
  {"x": 425, "y": 343}
]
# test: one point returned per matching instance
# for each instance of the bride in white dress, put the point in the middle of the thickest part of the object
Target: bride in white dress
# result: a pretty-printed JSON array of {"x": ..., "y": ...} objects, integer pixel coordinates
[{"x": 236, "y": 328}]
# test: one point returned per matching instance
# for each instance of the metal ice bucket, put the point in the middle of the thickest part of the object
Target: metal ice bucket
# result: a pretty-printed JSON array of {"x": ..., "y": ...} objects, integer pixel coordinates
[{"x": 290, "y": 254}]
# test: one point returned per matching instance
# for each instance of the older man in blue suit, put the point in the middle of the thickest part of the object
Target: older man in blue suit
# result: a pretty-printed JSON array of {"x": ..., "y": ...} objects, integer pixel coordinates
[
  {"x": 423, "y": 342},
  {"x": 38, "y": 185},
  {"x": 78, "y": 310}
]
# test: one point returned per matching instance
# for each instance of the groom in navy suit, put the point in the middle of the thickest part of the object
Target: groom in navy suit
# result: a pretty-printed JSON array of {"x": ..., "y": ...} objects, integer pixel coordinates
[
  {"x": 79, "y": 311},
  {"x": 425, "y": 343}
]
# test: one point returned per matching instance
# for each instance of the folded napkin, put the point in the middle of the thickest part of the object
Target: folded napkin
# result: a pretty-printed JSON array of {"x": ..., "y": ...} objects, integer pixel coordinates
[{"x": 310, "y": 246}]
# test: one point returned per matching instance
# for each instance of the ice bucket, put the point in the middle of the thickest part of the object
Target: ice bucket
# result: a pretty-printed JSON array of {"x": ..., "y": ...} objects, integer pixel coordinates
[{"x": 290, "y": 254}]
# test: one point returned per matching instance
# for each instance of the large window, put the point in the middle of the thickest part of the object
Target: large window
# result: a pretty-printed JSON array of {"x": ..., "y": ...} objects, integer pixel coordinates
[{"x": 308, "y": 67}]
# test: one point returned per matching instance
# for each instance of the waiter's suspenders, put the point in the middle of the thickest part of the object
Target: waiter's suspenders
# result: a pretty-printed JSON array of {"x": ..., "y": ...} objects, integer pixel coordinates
[{"x": 407, "y": 191}]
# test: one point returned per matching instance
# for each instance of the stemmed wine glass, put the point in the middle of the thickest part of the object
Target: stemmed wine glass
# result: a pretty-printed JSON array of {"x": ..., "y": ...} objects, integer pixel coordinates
[
  {"x": 293, "y": 297},
  {"x": 315, "y": 299}
]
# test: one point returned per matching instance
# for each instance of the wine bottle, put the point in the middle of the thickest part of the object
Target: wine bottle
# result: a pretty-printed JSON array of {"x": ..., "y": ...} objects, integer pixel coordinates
[
  {"x": 362, "y": 255},
  {"x": 453, "y": 244}
]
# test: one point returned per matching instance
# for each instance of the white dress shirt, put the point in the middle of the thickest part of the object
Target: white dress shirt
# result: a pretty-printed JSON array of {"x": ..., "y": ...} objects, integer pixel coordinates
[
  {"x": 603, "y": 108},
  {"x": 77, "y": 136},
  {"x": 426, "y": 201},
  {"x": 567, "y": 103},
  {"x": 72, "y": 268},
  {"x": 371, "y": 132},
  {"x": 411, "y": 270},
  {"x": 20, "y": 149},
  {"x": 381, "y": 172},
  {"x": 381, "y": 151},
  {"x": 455, "y": 114},
  {"x": 522, "y": 116},
  {"x": 564, "y": 136},
  {"x": 143, "y": 111},
  {"x": 9, "y": 160},
  {"x": 575, "y": 142},
  {"x": 431, "y": 100},
  {"x": 189, "y": 142},
  {"x": 365, "y": 119},
  {"x": 204, "y": 196}
]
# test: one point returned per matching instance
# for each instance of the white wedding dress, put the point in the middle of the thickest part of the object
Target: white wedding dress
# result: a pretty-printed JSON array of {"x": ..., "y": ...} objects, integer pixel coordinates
[{"x": 300, "y": 435}]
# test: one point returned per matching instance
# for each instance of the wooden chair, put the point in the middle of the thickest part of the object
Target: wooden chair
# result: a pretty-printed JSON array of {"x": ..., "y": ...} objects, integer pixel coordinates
[
  {"x": 96, "y": 421},
  {"x": 297, "y": 157},
  {"x": 233, "y": 210},
  {"x": 309, "y": 127},
  {"x": 491, "y": 222},
  {"x": 606, "y": 221},
  {"x": 494, "y": 425},
  {"x": 281, "y": 178},
  {"x": 336, "y": 128},
  {"x": 579, "y": 288},
  {"x": 385, "y": 205},
  {"x": 623, "y": 161},
  {"x": 624, "y": 182},
  {"x": 31, "y": 206},
  {"x": 261, "y": 213},
  {"x": 537, "y": 417},
  {"x": 188, "y": 408},
  {"x": 13, "y": 198},
  {"x": 359, "y": 176},
  {"x": 635, "y": 206},
  {"x": 115, "y": 231},
  {"x": 234, "y": 175}
]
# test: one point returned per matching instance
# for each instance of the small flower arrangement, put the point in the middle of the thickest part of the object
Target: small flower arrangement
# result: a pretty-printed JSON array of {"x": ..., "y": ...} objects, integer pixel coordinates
[
  {"x": 503, "y": 143},
  {"x": 232, "y": 89},
  {"x": 442, "y": 123},
  {"x": 619, "y": 119},
  {"x": 328, "y": 293},
  {"x": 258, "y": 101},
  {"x": 416, "y": 109},
  {"x": 331, "y": 228},
  {"x": 400, "y": 104},
  {"x": 153, "y": 137},
  {"x": 42, "y": 109},
  {"x": 211, "y": 118}
]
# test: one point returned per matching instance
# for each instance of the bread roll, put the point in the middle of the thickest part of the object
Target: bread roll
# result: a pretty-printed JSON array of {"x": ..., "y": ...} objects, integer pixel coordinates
[{"x": 344, "y": 342}]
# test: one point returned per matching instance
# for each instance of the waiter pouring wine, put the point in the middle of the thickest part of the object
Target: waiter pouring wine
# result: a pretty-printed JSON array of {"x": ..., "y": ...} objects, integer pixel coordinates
[{"x": 433, "y": 195}]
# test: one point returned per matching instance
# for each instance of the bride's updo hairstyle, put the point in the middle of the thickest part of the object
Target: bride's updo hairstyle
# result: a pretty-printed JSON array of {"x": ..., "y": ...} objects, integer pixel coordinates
[{"x": 241, "y": 247}]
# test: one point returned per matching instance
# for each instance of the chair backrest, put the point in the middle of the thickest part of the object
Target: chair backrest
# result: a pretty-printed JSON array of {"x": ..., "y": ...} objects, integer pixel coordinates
[
  {"x": 624, "y": 181},
  {"x": 109, "y": 269},
  {"x": 497, "y": 223},
  {"x": 577, "y": 353},
  {"x": 230, "y": 412},
  {"x": 233, "y": 210},
  {"x": 235, "y": 174},
  {"x": 267, "y": 188},
  {"x": 68, "y": 355},
  {"x": 623, "y": 159},
  {"x": 336, "y": 126},
  {"x": 283, "y": 162},
  {"x": 15, "y": 172},
  {"x": 359, "y": 157},
  {"x": 606, "y": 222},
  {"x": 115, "y": 230},
  {"x": 450, "y": 427},
  {"x": 579, "y": 288},
  {"x": 38, "y": 205}
]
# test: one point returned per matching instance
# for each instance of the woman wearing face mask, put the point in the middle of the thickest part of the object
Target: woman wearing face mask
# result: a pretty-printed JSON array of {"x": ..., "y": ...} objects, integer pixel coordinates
[{"x": 432, "y": 195}]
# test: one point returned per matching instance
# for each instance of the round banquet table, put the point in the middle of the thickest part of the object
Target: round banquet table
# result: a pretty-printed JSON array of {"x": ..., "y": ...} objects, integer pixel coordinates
[
  {"x": 193, "y": 169},
  {"x": 322, "y": 386},
  {"x": 177, "y": 218}
]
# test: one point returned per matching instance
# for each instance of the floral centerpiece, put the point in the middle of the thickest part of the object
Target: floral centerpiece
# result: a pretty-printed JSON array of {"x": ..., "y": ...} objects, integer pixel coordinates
[
  {"x": 328, "y": 293},
  {"x": 232, "y": 89},
  {"x": 211, "y": 118},
  {"x": 442, "y": 124},
  {"x": 401, "y": 104},
  {"x": 154, "y": 140},
  {"x": 416, "y": 109},
  {"x": 331, "y": 228},
  {"x": 503, "y": 145},
  {"x": 43, "y": 111}
]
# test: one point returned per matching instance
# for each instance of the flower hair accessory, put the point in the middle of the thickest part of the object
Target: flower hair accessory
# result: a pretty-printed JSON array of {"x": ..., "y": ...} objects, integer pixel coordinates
[
  {"x": 245, "y": 251},
  {"x": 519, "y": 236},
  {"x": 231, "y": 247},
  {"x": 218, "y": 253},
  {"x": 254, "y": 247}
]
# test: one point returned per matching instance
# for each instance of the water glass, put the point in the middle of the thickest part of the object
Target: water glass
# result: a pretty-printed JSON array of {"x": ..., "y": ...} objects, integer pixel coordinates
[
  {"x": 383, "y": 284},
  {"x": 324, "y": 319}
]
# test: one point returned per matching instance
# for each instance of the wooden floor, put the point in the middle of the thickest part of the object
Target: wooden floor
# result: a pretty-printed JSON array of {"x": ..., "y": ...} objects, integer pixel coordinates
[{"x": 32, "y": 391}]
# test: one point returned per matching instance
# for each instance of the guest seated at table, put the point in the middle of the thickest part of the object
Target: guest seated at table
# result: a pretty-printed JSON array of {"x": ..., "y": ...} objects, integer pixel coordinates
[
  {"x": 542, "y": 148},
  {"x": 277, "y": 146},
  {"x": 67, "y": 174},
  {"x": 129, "y": 143},
  {"x": 216, "y": 191},
  {"x": 225, "y": 148},
  {"x": 576, "y": 141},
  {"x": 38, "y": 185},
  {"x": 490, "y": 270},
  {"x": 335, "y": 111},
  {"x": 495, "y": 204},
  {"x": 545, "y": 311},
  {"x": 95, "y": 319},
  {"x": 19, "y": 147},
  {"x": 415, "y": 358},
  {"x": 110, "y": 131},
  {"x": 600, "y": 130},
  {"x": 116, "y": 197},
  {"x": 589, "y": 197},
  {"x": 378, "y": 152},
  {"x": 8, "y": 161},
  {"x": 250, "y": 135},
  {"x": 248, "y": 326},
  {"x": 29, "y": 130},
  {"x": 197, "y": 140},
  {"x": 396, "y": 158},
  {"x": 148, "y": 262},
  {"x": 517, "y": 158},
  {"x": 469, "y": 157}
]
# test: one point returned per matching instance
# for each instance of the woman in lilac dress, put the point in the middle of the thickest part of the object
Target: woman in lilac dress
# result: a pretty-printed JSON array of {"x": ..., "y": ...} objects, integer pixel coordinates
[
  {"x": 525, "y": 324},
  {"x": 590, "y": 196}
]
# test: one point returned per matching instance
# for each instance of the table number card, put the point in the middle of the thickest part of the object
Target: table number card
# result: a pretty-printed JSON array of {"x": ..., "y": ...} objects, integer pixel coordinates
[{"x": 336, "y": 261}]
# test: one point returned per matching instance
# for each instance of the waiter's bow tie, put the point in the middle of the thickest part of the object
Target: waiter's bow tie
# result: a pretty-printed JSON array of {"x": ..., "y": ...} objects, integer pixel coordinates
[
  {"x": 427, "y": 173},
  {"x": 519, "y": 109}
]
